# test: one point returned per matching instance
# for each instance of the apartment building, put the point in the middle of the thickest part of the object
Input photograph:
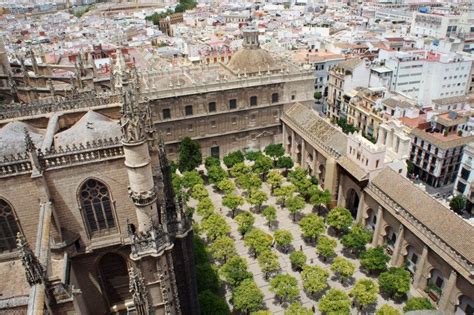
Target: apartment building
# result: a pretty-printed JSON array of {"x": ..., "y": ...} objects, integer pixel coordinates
[
  {"x": 464, "y": 180},
  {"x": 436, "y": 25},
  {"x": 344, "y": 77}
]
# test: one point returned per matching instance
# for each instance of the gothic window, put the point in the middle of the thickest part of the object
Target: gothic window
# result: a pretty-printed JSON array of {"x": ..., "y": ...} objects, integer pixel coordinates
[
  {"x": 275, "y": 98},
  {"x": 253, "y": 101},
  {"x": 188, "y": 110},
  {"x": 166, "y": 113},
  {"x": 8, "y": 227},
  {"x": 97, "y": 207}
]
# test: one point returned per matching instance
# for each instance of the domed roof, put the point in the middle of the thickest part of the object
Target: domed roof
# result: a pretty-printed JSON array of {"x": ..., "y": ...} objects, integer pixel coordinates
[
  {"x": 92, "y": 126},
  {"x": 251, "y": 58},
  {"x": 12, "y": 138}
]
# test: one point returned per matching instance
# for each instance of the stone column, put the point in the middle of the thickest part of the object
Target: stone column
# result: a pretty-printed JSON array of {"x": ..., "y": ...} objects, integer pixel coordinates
[
  {"x": 285, "y": 137},
  {"x": 293, "y": 141},
  {"x": 330, "y": 179},
  {"x": 340, "y": 192},
  {"x": 398, "y": 247},
  {"x": 445, "y": 304},
  {"x": 361, "y": 209},
  {"x": 378, "y": 226},
  {"x": 420, "y": 267}
]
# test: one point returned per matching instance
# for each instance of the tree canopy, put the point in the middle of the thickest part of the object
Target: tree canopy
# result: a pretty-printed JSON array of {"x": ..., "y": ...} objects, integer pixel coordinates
[
  {"x": 215, "y": 226},
  {"x": 315, "y": 279},
  {"x": 233, "y": 158},
  {"x": 232, "y": 202},
  {"x": 258, "y": 241},
  {"x": 295, "y": 204},
  {"x": 274, "y": 179},
  {"x": 274, "y": 150},
  {"x": 417, "y": 304},
  {"x": 357, "y": 238},
  {"x": 284, "y": 192},
  {"x": 211, "y": 161},
  {"x": 395, "y": 282},
  {"x": 249, "y": 181},
  {"x": 205, "y": 207},
  {"x": 374, "y": 259},
  {"x": 458, "y": 203},
  {"x": 190, "y": 155},
  {"x": 245, "y": 221},
  {"x": 298, "y": 259},
  {"x": 285, "y": 287},
  {"x": 343, "y": 268},
  {"x": 270, "y": 214},
  {"x": 191, "y": 179},
  {"x": 285, "y": 162},
  {"x": 247, "y": 297},
  {"x": 312, "y": 226},
  {"x": 283, "y": 239},
  {"x": 216, "y": 174},
  {"x": 234, "y": 271},
  {"x": 257, "y": 198},
  {"x": 387, "y": 310},
  {"x": 365, "y": 292},
  {"x": 326, "y": 247},
  {"x": 226, "y": 185},
  {"x": 210, "y": 303},
  {"x": 335, "y": 302},
  {"x": 262, "y": 165},
  {"x": 297, "y": 308},
  {"x": 222, "y": 249},
  {"x": 239, "y": 169},
  {"x": 339, "y": 218},
  {"x": 268, "y": 262},
  {"x": 199, "y": 192}
]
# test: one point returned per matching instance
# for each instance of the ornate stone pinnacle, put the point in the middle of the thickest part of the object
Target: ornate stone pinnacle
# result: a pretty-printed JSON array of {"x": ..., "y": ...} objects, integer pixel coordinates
[
  {"x": 34, "y": 271},
  {"x": 29, "y": 145},
  {"x": 138, "y": 290}
]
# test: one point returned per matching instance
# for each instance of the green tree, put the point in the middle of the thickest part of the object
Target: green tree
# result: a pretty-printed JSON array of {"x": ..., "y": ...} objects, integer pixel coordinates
[
  {"x": 216, "y": 174},
  {"x": 199, "y": 192},
  {"x": 226, "y": 185},
  {"x": 458, "y": 203},
  {"x": 261, "y": 312},
  {"x": 365, "y": 292},
  {"x": 247, "y": 297},
  {"x": 410, "y": 167},
  {"x": 285, "y": 287},
  {"x": 335, "y": 302},
  {"x": 274, "y": 179},
  {"x": 374, "y": 259},
  {"x": 387, "y": 310},
  {"x": 253, "y": 155},
  {"x": 233, "y": 158},
  {"x": 205, "y": 207},
  {"x": 274, "y": 151},
  {"x": 234, "y": 271},
  {"x": 232, "y": 202},
  {"x": 257, "y": 198},
  {"x": 326, "y": 247},
  {"x": 262, "y": 166},
  {"x": 317, "y": 95},
  {"x": 239, "y": 169},
  {"x": 315, "y": 279},
  {"x": 298, "y": 176},
  {"x": 346, "y": 128},
  {"x": 258, "y": 241},
  {"x": 295, "y": 204},
  {"x": 343, "y": 268},
  {"x": 191, "y": 179},
  {"x": 395, "y": 282},
  {"x": 245, "y": 220},
  {"x": 285, "y": 162},
  {"x": 356, "y": 239},
  {"x": 190, "y": 155},
  {"x": 297, "y": 309},
  {"x": 339, "y": 218},
  {"x": 207, "y": 278},
  {"x": 222, "y": 249},
  {"x": 211, "y": 161},
  {"x": 417, "y": 304},
  {"x": 312, "y": 226},
  {"x": 249, "y": 181},
  {"x": 283, "y": 239},
  {"x": 210, "y": 303},
  {"x": 298, "y": 260},
  {"x": 215, "y": 226},
  {"x": 268, "y": 262},
  {"x": 270, "y": 214},
  {"x": 284, "y": 192},
  {"x": 321, "y": 198}
]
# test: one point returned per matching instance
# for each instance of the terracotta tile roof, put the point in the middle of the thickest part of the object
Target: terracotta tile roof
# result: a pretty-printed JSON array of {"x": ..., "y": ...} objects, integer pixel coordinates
[
  {"x": 350, "y": 64},
  {"x": 440, "y": 220},
  {"x": 316, "y": 127},
  {"x": 354, "y": 169}
]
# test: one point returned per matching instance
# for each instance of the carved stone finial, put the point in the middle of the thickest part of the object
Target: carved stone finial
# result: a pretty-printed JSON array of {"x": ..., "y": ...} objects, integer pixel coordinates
[
  {"x": 34, "y": 271},
  {"x": 30, "y": 146},
  {"x": 138, "y": 290},
  {"x": 133, "y": 119}
]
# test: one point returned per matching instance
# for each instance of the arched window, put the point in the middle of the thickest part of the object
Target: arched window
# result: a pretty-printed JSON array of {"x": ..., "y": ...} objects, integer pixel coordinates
[
  {"x": 8, "y": 227},
  {"x": 97, "y": 208}
]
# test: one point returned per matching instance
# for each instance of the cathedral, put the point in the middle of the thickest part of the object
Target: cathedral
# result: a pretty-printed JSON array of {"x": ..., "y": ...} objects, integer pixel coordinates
[{"x": 89, "y": 222}]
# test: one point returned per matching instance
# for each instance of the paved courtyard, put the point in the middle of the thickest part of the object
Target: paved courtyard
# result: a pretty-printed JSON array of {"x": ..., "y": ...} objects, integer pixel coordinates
[{"x": 284, "y": 221}]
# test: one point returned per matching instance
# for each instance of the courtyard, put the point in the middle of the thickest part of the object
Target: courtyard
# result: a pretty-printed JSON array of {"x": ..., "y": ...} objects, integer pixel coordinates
[{"x": 230, "y": 206}]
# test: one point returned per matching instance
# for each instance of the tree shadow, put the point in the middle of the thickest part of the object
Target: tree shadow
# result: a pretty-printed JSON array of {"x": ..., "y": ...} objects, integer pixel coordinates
[
  {"x": 325, "y": 260},
  {"x": 348, "y": 253},
  {"x": 317, "y": 296},
  {"x": 287, "y": 250},
  {"x": 274, "y": 225}
]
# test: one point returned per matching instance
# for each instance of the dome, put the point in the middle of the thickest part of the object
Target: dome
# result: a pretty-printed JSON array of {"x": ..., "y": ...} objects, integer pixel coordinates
[
  {"x": 12, "y": 138},
  {"x": 251, "y": 58},
  {"x": 92, "y": 126}
]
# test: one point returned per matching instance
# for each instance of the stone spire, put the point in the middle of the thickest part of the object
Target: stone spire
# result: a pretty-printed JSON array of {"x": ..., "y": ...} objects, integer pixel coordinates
[
  {"x": 251, "y": 38},
  {"x": 34, "y": 271},
  {"x": 33, "y": 154},
  {"x": 133, "y": 121}
]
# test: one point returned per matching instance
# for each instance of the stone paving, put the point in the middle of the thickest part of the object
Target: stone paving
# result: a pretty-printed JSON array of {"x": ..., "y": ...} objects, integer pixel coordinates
[{"x": 284, "y": 221}]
